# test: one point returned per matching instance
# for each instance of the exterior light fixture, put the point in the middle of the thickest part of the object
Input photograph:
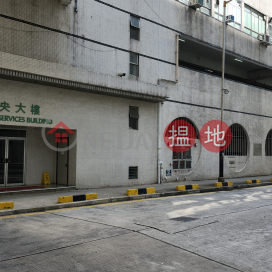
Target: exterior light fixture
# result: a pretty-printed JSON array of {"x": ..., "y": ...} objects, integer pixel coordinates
[
  {"x": 181, "y": 40},
  {"x": 238, "y": 60}
]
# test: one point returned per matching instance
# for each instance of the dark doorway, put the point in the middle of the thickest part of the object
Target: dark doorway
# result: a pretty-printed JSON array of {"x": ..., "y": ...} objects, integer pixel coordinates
[{"x": 62, "y": 163}]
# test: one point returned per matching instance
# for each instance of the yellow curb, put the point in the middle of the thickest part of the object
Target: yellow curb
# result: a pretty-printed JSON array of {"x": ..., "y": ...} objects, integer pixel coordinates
[
  {"x": 185, "y": 187},
  {"x": 132, "y": 192},
  {"x": 220, "y": 184},
  {"x": 181, "y": 188},
  {"x": 250, "y": 181},
  {"x": 150, "y": 190},
  {"x": 65, "y": 199},
  {"x": 91, "y": 196},
  {"x": 6, "y": 205}
]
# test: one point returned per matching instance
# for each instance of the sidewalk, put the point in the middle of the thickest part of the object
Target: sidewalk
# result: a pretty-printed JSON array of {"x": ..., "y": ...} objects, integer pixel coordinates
[{"x": 34, "y": 202}]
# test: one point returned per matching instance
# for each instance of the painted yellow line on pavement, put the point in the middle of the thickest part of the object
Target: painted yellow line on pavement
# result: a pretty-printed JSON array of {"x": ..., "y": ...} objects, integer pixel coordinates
[{"x": 20, "y": 215}]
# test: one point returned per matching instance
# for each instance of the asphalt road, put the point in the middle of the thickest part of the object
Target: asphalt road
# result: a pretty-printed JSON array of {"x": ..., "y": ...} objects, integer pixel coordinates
[{"x": 226, "y": 231}]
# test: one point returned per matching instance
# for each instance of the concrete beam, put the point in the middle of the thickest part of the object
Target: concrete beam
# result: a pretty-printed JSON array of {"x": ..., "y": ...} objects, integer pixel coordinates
[
  {"x": 79, "y": 86},
  {"x": 66, "y": 2},
  {"x": 259, "y": 74}
]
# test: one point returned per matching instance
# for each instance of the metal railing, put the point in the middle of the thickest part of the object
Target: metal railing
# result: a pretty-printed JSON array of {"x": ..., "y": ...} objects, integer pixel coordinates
[{"x": 239, "y": 143}]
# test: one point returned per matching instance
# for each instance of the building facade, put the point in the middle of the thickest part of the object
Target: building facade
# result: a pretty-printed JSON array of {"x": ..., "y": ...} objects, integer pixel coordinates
[{"x": 105, "y": 78}]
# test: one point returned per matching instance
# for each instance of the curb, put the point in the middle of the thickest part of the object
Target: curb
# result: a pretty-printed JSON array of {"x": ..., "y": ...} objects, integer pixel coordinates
[
  {"x": 253, "y": 181},
  {"x": 6, "y": 205},
  {"x": 187, "y": 187},
  {"x": 220, "y": 184},
  {"x": 140, "y": 191},
  {"x": 127, "y": 198},
  {"x": 76, "y": 198}
]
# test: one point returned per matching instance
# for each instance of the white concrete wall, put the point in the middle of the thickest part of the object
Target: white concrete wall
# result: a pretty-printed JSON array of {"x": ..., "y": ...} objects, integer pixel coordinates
[
  {"x": 110, "y": 26},
  {"x": 264, "y": 6},
  {"x": 204, "y": 89},
  {"x": 106, "y": 147},
  {"x": 38, "y": 158}
]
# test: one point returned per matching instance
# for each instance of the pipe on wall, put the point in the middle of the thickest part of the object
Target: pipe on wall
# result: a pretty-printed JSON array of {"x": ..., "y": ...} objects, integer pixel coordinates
[
  {"x": 177, "y": 57},
  {"x": 159, "y": 141}
]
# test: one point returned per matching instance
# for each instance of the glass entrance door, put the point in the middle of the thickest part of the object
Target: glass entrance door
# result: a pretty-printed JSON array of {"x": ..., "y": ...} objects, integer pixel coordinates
[
  {"x": 12, "y": 154},
  {"x": 2, "y": 163},
  {"x": 16, "y": 150}
]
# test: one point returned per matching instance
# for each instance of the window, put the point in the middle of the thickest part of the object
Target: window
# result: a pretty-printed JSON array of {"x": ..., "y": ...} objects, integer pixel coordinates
[
  {"x": 135, "y": 28},
  {"x": 184, "y": 1},
  {"x": 218, "y": 10},
  {"x": 254, "y": 22},
  {"x": 238, "y": 145},
  {"x": 233, "y": 8},
  {"x": 268, "y": 144},
  {"x": 134, "y": 64},
  {"x": 207, "y": 7},
  {"x": 133, "y": 117},
  {"x": 182, "y": 161},
  {"x": 190, "y": 122},
  {"x": 270, "y": 29},
  {"x": 133, "y": 172}
]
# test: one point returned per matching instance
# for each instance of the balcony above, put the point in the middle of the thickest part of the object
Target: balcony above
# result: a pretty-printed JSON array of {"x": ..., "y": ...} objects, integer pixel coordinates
[{"x": 208, "y": 58}]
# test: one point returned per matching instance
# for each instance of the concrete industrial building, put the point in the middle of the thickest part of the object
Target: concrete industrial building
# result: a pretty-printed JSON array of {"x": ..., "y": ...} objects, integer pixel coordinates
[{"x": 116, "y": 73}]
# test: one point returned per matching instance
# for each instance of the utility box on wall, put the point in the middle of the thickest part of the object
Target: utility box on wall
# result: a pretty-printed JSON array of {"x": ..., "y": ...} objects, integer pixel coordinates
[{"x": 257, "y": 151}]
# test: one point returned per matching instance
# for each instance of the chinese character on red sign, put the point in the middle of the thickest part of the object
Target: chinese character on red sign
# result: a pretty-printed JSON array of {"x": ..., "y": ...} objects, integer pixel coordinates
[
  {"x": 215, "y": 136},
  {"x": 179, "y": 136}
]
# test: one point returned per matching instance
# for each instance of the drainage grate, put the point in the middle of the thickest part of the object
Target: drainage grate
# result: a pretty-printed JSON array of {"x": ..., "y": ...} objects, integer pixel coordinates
[{"x": 184, "y": 219}]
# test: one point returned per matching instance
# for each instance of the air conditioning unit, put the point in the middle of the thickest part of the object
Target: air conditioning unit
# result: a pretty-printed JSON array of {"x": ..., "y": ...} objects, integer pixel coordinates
[
  {"x": 229, "y": 19},
  {"x": 197, "y": 3},
  {"x": 265, "y": 39},
  {"x": 66, "y": 2}
]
